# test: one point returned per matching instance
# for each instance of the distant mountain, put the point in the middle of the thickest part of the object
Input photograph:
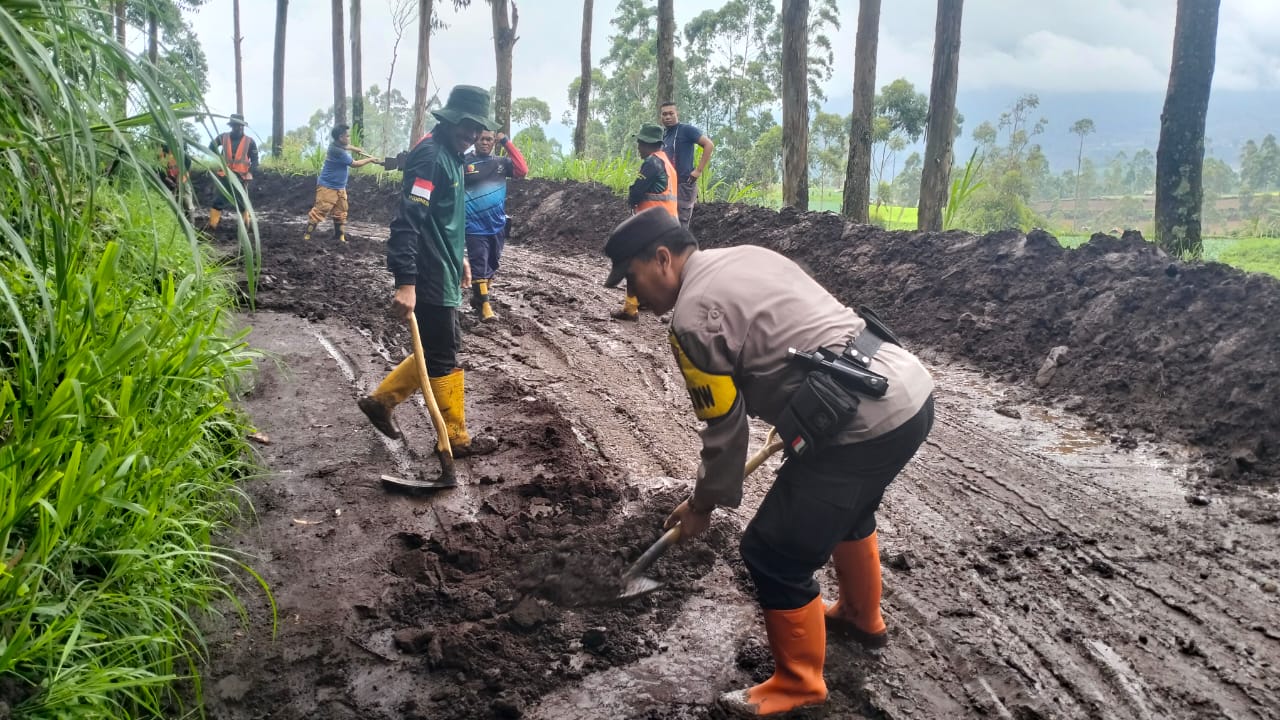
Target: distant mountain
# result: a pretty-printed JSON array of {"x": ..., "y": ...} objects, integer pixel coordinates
[{"x": 1124, "y": 121}]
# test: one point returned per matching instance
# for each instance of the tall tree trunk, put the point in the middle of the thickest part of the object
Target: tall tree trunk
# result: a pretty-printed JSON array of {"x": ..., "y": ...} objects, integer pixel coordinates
[
  {"x": 795, "y": 103},
  {"x": 339, "y": 67},
  {"x": 357, "y": 83},
  {"x": 504, "y": 40},
  {"x": 584, "y": 84},
  {"x": 424, "y": 66},
  {"x": 235, "y": 41},
  {"x": 153, "y": 38},
  {"x": 857, "y": 177},
  {"x": 666, "y": 51},
  {"x": 935, "y": 177},
  {"x": 1180, "y": 155},
  {"x": 119, "y": 12},
  {"x": 277, "y": 80}
]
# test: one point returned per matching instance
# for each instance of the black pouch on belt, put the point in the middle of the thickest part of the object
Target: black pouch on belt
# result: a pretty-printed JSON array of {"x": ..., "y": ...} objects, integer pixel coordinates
[{"x": 818, "y": 411}]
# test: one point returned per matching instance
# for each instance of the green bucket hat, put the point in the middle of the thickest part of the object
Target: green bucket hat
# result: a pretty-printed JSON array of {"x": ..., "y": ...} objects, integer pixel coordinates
[
  {"x": 650, "y": 133},
  {"x": 467, "y": 102}
]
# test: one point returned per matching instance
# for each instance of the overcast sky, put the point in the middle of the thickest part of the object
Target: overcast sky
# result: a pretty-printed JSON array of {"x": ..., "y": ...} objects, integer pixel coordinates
[{"x": 1041, "y": 46}]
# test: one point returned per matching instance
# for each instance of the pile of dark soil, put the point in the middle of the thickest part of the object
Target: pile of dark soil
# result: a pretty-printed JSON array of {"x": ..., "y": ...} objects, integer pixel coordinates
[
  {"x": 1154, "y": 347},
  {"x": 503, "y": 607},
  {"x": 373, "y": 198}
]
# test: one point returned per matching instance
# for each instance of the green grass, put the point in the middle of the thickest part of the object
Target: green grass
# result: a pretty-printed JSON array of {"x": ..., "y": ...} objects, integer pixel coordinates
[
  {"x": 1249, "y": 254},
  {"x": 120, "y": 445}
]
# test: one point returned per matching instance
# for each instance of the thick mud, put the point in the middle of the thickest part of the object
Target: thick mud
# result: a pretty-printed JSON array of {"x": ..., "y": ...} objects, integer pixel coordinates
[{"x": 1068, "y": 547}]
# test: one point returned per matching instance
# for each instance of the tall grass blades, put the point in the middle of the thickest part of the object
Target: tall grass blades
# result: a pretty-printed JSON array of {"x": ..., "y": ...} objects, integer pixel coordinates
[
  {"x": 118, "y": 443},
  {"x": 961, "y": 189}
]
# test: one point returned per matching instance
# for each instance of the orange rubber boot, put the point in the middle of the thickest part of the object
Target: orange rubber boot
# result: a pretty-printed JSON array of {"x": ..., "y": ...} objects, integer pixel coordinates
[
  {"x": 857, "y": 612},
  {"x": 798, "y": 641}
]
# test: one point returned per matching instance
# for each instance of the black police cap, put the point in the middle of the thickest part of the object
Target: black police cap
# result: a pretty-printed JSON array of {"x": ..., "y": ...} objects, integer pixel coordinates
[{"x": 635, "y": 234}]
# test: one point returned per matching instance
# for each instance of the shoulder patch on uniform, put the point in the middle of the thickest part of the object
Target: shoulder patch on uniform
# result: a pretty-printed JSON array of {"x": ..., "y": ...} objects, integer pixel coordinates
[{"x": 712, "y": 395}]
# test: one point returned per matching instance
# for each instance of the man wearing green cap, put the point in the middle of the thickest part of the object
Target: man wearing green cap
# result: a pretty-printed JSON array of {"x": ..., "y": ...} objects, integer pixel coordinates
[
  {"x": 426, "y": 253},
  {"x": 240, "y": 153},
  {"x": 655, "y": 186}
]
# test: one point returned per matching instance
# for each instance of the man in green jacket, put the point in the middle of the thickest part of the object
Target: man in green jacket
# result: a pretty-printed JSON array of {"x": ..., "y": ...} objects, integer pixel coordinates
[{"x": 426, "y": 253}]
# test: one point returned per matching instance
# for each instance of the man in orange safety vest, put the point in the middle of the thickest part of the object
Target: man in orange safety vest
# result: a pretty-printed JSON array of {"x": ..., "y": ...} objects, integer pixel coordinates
[{"x": 240, "y": 153}]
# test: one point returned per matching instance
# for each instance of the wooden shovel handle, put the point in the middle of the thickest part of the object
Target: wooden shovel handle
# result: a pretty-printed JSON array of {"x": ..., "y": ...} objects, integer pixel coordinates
[
  {"x": 442, "y": 433},
  {"x": 645, "y": 561},
  {"x": 772, "y": 444}
]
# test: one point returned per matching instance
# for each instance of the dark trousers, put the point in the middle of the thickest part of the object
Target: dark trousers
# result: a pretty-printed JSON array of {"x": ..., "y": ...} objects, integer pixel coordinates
[
  {"x": 224, "y": 189},
  {"x": 441, "y": 337},
  {"x": 484, "y": 252},
  {"x": 817, "y": 503}
]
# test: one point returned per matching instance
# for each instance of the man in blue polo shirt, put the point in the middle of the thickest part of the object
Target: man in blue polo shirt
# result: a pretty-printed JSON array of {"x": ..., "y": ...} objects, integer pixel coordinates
[
  {"x": 678, "y": 140},
  {"x": 331, "y": 186}
]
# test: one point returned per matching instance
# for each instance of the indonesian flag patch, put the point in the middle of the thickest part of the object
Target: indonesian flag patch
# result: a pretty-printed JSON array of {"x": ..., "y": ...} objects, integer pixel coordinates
[{"x": 422, "y": 188}]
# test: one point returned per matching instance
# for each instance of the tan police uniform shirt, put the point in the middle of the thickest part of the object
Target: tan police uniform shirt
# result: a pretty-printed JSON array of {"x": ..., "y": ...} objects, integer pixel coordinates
[{"x": 738, "y": 311}]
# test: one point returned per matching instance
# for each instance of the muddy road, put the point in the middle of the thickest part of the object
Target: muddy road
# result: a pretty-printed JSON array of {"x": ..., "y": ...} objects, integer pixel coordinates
[{"x": 1098, "y": 545}]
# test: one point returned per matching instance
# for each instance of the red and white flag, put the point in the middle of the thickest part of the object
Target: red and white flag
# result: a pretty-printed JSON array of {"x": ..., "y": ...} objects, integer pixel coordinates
[{"x": 422, "y": 188}]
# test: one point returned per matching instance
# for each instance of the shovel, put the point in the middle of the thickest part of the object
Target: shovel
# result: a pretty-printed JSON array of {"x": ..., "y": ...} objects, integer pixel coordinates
[
  {"x": 634, "y": 582},
  {"x": 447, "y": 478}
]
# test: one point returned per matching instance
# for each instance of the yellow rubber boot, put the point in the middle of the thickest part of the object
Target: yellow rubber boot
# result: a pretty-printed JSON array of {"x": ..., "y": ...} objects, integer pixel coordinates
[
  {"x": 394, "y": 389},
  {"x": 311, "y": 227},
  {"x": 798, "y": 641},
  {"x": 215, "y": 217},
  {"x": 450, "y": 394},
  {"x": 481, "y": 288},
  {"x": 857, "y": 612},
  {"x": 630, "y": 309},
  {"x": 339, "y": 232}
]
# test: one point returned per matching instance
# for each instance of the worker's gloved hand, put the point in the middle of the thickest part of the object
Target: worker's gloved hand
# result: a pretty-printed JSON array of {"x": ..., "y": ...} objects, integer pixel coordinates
[
  {"x": 405, "y": 298},
  {"x": 692, "y": 522},
  {"x": 466, "y": 274}
]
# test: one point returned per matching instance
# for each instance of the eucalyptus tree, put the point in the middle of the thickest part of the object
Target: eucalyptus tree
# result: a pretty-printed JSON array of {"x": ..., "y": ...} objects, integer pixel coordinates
[
  {"x": 339, "y": 63},
  {"x": 506, "y": 19},
  {"x": 857, "y": 178},
  {"x": 357, "y": 82},
  {"x": 795, "y": 103},
  {"x": 277, "y": 79},
  {"x": 426, "y": 16},
  {"x": 1180, "y": 155},
  {"x": 1083, "y": 128},
  {"x": 935, "y": 179},
  {"x": 584, "y": 84},
  {"x": 666, "y": 51}
]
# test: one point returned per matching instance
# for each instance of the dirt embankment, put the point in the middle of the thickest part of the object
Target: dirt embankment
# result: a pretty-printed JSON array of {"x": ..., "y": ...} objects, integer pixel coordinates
[{"x": 1154, "y": 348}]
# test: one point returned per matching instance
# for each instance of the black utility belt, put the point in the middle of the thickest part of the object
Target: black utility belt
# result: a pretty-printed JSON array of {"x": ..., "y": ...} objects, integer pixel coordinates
[{"x": 828, "y": 399}]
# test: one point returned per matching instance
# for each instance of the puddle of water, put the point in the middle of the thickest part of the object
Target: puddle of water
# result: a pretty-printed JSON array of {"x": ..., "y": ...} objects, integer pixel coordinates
[{"x": 1159, "y": 471}]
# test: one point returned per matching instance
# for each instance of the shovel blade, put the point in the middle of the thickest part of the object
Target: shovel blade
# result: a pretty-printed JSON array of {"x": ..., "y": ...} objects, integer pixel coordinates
[
  {"x": 419, "y": 485},
  {"x": 638, "y": 587}
]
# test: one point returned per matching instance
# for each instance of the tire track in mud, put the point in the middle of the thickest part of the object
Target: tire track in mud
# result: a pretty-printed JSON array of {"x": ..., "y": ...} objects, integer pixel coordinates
[{"x": 1023, "y": 541}]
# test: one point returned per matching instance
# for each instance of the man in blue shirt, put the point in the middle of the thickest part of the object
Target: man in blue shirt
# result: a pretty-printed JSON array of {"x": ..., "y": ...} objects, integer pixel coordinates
[
  {"x": 487, "y": 223},
  {"x": 331, "y": 186},
  {"x": 678, "y": 140}
]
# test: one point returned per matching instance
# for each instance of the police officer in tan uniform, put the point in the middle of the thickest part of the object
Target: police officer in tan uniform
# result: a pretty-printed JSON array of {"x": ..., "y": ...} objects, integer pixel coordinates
[{"x": 850, "y": 415}]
